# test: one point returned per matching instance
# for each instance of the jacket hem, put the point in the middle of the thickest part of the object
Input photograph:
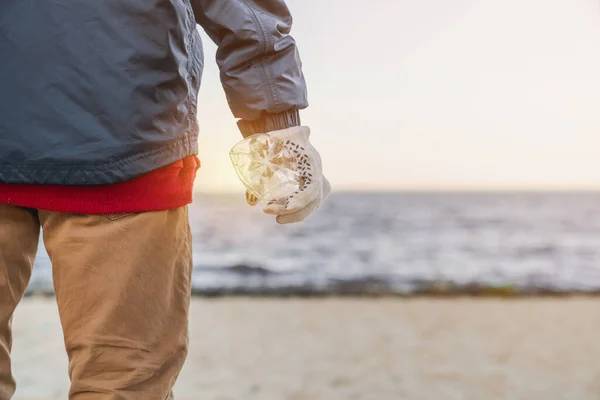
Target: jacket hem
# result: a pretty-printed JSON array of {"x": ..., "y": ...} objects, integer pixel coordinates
[{"x": 105, "y": 173}]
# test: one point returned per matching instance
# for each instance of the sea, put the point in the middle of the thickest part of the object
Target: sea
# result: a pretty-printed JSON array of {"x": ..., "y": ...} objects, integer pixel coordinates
[{"x": 394, "y": 243}]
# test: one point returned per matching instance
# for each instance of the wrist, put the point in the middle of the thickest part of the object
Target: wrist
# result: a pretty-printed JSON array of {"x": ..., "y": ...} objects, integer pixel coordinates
[{"x": 270, "y": 122}]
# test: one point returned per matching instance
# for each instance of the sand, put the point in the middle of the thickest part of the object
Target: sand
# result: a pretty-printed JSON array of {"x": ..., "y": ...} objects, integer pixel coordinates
[{"x": 357, "y": 349}]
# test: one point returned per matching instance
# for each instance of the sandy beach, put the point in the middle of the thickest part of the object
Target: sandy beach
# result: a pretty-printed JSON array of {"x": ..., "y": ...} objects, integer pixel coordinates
[{"x": 356, "y": 349}]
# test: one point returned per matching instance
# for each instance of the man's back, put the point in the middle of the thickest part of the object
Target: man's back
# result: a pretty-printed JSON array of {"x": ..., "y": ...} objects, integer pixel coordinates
[{"x": 88, "y": 87}]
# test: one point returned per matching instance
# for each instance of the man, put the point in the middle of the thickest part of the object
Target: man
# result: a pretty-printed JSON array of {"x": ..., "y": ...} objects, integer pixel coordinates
[{"x": 97, "y": 147}]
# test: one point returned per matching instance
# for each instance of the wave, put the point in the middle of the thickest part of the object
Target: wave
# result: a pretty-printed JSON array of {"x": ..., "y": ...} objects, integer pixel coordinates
[{"x": 250, "y": 280}]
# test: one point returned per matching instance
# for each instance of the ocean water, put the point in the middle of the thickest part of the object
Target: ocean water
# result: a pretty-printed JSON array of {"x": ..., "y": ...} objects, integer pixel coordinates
[{"x": 394, "y": 242}]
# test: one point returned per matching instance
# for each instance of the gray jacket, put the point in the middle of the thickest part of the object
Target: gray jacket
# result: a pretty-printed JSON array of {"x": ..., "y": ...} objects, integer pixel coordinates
[{"x": 95, "y": 92}]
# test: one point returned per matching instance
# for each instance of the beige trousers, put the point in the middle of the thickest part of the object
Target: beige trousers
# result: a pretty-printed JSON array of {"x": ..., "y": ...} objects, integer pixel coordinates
[{"x": 122, "y": 284}]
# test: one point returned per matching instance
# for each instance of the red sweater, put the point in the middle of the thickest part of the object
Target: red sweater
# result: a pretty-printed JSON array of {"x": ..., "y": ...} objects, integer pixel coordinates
[{"x": 166, "y": 188}]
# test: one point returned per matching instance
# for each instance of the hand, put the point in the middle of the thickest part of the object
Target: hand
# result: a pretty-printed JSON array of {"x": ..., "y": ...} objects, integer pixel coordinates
[
  {"x": 313, "y": 187},
  {"x": 298, "y": 214}
]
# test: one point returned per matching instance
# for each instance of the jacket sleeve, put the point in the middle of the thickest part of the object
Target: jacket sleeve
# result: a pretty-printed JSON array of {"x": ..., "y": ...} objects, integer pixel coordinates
[{"x": 260, "y": 67}]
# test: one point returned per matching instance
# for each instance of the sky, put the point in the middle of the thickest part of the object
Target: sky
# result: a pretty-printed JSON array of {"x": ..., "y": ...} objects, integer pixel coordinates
[{"x": 437, "y": 95}]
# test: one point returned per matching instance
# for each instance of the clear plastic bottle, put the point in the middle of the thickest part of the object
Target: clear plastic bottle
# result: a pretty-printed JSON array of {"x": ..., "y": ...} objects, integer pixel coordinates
[{"x": 280, "y": 168}]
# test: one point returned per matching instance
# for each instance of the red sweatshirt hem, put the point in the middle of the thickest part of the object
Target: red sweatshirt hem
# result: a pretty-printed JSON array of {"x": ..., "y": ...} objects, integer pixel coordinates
[{"x": 166, "y": 188}]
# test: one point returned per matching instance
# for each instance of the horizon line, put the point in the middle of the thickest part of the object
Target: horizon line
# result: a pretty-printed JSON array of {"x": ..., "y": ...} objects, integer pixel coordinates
[{"x": 447, "y": 190}]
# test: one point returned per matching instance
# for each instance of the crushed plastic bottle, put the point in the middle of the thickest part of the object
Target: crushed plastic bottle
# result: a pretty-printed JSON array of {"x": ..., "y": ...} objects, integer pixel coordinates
[{"x": 279, "y": 168}]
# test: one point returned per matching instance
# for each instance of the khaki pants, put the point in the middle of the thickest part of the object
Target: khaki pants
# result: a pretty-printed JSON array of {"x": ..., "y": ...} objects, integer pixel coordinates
[{"x": 122, "y": 285}]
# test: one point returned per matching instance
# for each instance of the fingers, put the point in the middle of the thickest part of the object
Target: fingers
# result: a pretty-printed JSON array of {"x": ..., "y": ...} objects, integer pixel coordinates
[
  {"x": 280, "y": 209},
  {"x": 289, "y": 207},
  {"x": 298, "y": 216},
  {"x": 274, "y": 209}
]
